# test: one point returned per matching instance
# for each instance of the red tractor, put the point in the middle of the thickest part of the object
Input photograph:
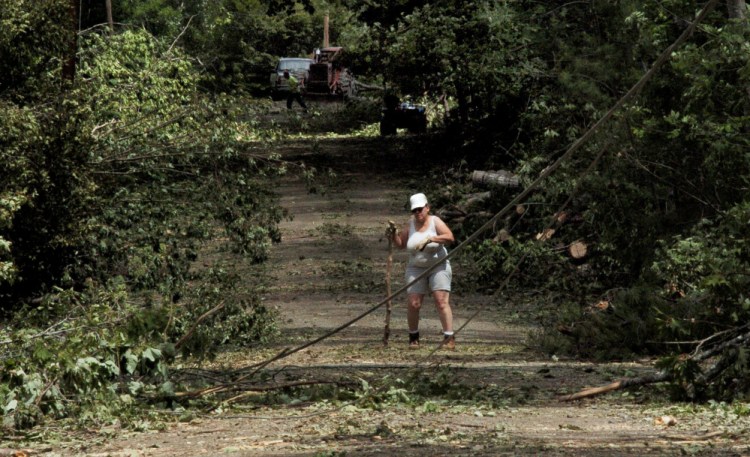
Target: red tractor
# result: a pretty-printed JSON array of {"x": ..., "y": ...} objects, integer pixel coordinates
[{"x": 328, "y": 77}]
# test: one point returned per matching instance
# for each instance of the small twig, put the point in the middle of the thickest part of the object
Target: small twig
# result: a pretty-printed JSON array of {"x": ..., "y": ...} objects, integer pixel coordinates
[{"x": 621, "y": 384}]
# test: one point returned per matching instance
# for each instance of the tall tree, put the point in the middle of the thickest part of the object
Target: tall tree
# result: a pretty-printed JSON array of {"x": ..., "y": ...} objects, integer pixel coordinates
[
  {"x": 737, "y": 9},
  {"x": 69, "y": 63}
]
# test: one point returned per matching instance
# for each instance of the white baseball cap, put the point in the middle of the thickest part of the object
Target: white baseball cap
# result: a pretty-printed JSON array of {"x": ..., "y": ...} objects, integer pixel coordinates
[{"x": 417, "y": 201}]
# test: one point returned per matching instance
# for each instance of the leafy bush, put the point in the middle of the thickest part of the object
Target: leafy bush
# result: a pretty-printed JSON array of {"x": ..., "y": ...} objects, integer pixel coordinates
[{"x": 106, "y": 205}]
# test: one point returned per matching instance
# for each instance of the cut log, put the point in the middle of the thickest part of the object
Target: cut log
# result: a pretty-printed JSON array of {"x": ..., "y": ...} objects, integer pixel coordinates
[
  {"x": 499, "y": 178},
  {"x": 450, "y": 214},
  {"x": 502, "y": 236},
  {"x": 578, "y": 250},
  {"x": 472, "y": 199},
  {"x": 545, "y": 234},
  {"x": 561, "y": 217}
]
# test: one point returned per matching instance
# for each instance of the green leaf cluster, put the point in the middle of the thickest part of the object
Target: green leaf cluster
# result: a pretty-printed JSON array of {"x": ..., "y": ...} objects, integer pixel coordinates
[{"x": 112, "y": 187}]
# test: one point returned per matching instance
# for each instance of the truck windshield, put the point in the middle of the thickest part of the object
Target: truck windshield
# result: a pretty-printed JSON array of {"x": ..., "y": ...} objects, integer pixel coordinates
[{"x": 297, "y": 64}]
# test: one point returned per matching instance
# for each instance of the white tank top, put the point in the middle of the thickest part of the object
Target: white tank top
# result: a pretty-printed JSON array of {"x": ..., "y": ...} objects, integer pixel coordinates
[{"x": 431, "y": 252}]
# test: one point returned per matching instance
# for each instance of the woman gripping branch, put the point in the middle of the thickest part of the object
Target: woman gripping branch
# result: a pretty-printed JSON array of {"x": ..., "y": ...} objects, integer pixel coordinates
[{"x": 425, "y": 237}]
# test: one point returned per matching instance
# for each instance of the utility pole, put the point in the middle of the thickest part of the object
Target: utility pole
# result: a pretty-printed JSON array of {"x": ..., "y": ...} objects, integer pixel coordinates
[{"x": 325, "y": 31}]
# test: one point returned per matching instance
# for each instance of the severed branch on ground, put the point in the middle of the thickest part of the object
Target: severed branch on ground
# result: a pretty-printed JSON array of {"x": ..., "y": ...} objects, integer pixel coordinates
[
  {"x": 621, "y": 384},
  {"x": 244, "y": 390},
  {"x": 710, "y": 373},
  {"x": 197, "y": 322}
]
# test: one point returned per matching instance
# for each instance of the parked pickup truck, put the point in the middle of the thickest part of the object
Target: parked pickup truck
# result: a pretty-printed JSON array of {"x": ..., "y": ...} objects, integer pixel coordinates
[{"x": 299, "y": 67}]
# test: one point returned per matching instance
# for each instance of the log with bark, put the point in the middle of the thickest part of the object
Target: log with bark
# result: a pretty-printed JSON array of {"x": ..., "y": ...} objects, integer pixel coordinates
[
  {"x": 500, "y": 178},
  {"x": 475, "y": 199}
]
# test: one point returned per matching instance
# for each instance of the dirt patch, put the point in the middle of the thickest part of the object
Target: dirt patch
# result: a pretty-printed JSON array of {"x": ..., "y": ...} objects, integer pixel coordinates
[{"x": 330, "y": 268}]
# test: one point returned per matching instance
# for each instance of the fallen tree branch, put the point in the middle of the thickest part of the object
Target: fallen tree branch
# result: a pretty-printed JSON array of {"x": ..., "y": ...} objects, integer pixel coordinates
[
  {"x": 621, "y": 384},
  {"x": 693, "y": 439},
  {"x": 254, "y": 390},
  {"x": 664, "y": 375},
  {"x": 389, "y": 304},
  {"x": 203, "y": 317}
]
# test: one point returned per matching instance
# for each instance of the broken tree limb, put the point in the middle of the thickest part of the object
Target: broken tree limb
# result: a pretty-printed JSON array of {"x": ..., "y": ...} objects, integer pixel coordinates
[
  {"x": 197, "y": 323},
  {"x": 388, "y": 305},
  {"x": 664, "y": 375},
  {"x": 259, "y": 389},
  {"x": 500, "y": 178},
  {"x": 621, "y": 384}
]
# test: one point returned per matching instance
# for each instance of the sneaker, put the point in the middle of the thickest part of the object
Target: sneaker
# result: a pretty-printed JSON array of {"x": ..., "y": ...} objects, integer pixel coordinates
[
  {"x": 414, "y": 340},
  {"x": 449, "y": 342}
]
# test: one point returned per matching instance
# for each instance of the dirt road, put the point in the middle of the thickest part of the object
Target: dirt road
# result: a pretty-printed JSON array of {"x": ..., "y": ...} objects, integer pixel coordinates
[{"x": 492, "y": 396}]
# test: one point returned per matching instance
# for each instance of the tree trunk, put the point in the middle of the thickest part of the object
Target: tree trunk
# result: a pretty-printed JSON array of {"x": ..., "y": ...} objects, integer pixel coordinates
[
  {"x": 69, "y": 60},
  {"x": 737, "y": 9},
  {"x": 110, "y": 21}
]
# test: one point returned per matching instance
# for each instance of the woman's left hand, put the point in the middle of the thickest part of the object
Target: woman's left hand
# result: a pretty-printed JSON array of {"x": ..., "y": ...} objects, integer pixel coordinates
[{"x": 423, "y": 244}]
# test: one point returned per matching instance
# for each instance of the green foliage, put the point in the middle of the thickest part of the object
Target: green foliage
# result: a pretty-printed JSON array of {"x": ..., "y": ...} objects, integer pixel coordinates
[
  {"x": 108, "y": 197},
  {"x": 112, "y": 187},
  {"x": 662, "y": 209},
  {"x": 237, "y": 42},
  {"x": 622, "y": 327},
  {"x": 33, "y": 36},
  {"x": 233, "y": 316},
  {"x": 85, "y": 355},
  {"x": 461, "y": 51},
  {"x": 705, "y": 274}
]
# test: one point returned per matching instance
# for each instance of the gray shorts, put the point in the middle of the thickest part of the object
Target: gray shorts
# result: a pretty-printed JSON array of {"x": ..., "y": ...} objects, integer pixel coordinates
[{"x": 438, "y": 279}]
